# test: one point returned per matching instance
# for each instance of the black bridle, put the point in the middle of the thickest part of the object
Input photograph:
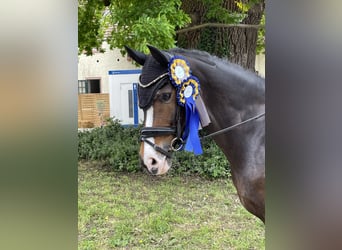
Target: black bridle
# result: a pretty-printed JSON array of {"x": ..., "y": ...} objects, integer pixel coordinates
[
  {"x": 177, "y": 142},
  {"x": 176, "y": 131}
]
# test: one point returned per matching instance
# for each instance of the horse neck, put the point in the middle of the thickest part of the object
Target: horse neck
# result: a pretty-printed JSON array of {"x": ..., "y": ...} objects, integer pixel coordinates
[{"x": 231, "y": 95}]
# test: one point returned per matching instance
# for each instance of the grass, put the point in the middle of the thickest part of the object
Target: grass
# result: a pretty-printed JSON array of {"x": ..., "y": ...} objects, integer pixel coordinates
[{"x": 138, "y": 211}]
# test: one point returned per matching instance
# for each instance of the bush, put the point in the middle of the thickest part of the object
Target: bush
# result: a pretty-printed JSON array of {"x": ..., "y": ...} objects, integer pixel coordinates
[
  {"x": 212, "y": 163},
  {"x": 117, "y": 147},
  {"x": 113, "y": 145}
]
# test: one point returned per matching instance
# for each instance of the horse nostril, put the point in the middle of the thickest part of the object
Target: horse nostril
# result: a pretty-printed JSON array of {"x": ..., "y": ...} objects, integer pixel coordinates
[
  {"x": 154, "y": 170},
  {"x": 154, "y": 162}
]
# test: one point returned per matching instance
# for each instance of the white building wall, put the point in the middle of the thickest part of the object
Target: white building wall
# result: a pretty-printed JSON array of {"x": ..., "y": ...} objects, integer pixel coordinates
[
  {"x": 260, "y": 64},
  {"x": 98, "y": 65}
]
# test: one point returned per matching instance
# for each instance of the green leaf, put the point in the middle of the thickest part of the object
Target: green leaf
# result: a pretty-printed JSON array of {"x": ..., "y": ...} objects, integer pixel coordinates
[{"x": 136, "y": 23}]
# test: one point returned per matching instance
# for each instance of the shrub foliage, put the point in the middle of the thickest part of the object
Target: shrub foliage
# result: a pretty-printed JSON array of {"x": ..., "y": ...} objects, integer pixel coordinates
[{"x": 117, "y": 147}]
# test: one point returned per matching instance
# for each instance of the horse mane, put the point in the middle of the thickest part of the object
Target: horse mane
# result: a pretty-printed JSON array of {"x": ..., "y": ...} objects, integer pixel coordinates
[
  {"x": 256, "y": 82},
  {"x": 212, "y": 60},
  {"x": 203, "y": 56}
]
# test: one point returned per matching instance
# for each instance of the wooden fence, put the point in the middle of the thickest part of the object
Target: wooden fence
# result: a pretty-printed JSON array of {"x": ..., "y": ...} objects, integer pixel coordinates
[{"x": 93, "y": 110}]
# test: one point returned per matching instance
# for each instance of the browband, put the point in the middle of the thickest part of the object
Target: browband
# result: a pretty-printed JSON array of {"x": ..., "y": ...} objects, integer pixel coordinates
[{"x": 153, "y": 81}]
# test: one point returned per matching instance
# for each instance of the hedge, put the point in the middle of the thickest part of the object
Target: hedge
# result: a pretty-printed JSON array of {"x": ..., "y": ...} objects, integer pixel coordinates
[{"x": 117, "y": 147}]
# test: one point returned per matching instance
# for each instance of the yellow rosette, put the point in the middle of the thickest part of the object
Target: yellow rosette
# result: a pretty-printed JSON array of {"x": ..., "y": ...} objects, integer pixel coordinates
[
  {"x": 190, "y": 88},
  {"x": 179, "y": 70}
]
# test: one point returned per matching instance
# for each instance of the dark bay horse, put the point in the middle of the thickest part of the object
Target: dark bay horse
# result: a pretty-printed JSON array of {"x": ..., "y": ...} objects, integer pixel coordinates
[{"x": 230, "y": 94}]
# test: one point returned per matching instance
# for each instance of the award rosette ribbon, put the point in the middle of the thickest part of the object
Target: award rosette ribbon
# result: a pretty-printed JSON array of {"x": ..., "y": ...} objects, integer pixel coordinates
[
  {"x": 188, "y": 88},
  {"x": 179, "y": 70}
]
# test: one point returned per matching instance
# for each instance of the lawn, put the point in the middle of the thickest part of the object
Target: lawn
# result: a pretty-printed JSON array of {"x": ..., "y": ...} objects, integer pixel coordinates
[{"x": 139, "y": 211}]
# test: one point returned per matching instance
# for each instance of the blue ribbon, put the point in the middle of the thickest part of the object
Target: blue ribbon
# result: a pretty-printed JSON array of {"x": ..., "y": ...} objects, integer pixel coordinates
[{"x": 190, "y": 136}]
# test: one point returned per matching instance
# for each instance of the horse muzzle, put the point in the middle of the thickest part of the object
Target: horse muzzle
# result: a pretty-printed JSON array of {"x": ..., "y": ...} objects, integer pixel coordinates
[
  {"x": 156, "y": 158},
  {"x": 155, "y": 163}
]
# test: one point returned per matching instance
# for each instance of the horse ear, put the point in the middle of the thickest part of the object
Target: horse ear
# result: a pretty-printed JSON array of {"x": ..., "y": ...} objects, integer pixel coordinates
[
  {"x": 136, "y": 55},
  {"x": 160, "y": 56}
]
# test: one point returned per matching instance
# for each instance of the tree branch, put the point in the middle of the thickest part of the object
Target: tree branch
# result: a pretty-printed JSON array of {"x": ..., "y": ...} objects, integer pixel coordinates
[{"x": 219, "y": 25}]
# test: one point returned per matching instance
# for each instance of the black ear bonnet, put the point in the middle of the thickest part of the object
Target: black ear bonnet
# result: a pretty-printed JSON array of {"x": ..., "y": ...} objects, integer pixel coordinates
[
  {"x": 152, "y": 70},
  {"x": 154, "y": 73}
]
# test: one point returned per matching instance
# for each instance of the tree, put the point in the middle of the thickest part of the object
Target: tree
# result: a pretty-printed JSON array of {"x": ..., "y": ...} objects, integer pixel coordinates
[
  {"x": 90, "y": 25},
  {"x": 135, "y": 23},
  {"x": 200, "y": 24},
  {"x": 238, "y": 43}
]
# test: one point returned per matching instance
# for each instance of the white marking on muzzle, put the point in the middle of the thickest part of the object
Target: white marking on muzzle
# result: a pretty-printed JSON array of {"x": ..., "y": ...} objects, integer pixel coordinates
[{"x": 155, "y": 162}]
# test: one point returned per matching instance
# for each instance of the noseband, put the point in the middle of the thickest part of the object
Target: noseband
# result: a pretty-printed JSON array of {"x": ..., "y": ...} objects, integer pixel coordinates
[{"x": 176, "y": 143}]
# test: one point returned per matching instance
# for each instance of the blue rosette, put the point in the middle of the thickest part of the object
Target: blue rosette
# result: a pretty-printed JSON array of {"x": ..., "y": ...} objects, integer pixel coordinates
[
  {"x": 186, "y": 97},
  {"x": 179, "y": 70},
  {"x": 188, "y": 88}
]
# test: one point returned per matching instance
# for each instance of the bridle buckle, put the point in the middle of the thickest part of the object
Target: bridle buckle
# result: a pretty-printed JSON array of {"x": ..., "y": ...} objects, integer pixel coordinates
[{"x": 177, "y": 144}]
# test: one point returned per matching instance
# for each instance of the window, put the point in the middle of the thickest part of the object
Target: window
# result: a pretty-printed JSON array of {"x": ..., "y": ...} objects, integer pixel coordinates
[
  {"x": 89, "y": 86},
  {"x": 82, "y": 86},
  {"x": 130, "y": 103}
]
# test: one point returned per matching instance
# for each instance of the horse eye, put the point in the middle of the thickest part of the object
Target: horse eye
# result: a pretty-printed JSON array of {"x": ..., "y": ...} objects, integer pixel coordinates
[{"x": 165, "y": 97}]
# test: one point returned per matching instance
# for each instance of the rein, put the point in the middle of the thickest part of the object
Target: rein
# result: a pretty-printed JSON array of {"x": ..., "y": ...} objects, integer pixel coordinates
[{"x": 232, "y": 127}]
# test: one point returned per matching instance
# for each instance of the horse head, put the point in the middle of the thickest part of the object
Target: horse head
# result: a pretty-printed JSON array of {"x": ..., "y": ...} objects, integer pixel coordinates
[{"x": 163, "y": 118}]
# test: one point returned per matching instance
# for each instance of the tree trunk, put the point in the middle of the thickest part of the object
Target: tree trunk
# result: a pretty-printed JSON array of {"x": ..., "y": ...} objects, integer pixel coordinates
[
  {"x": 196, "y": 10},
  {"x": 236, "y": 44},
  {"x": 242, "y": 41}
]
